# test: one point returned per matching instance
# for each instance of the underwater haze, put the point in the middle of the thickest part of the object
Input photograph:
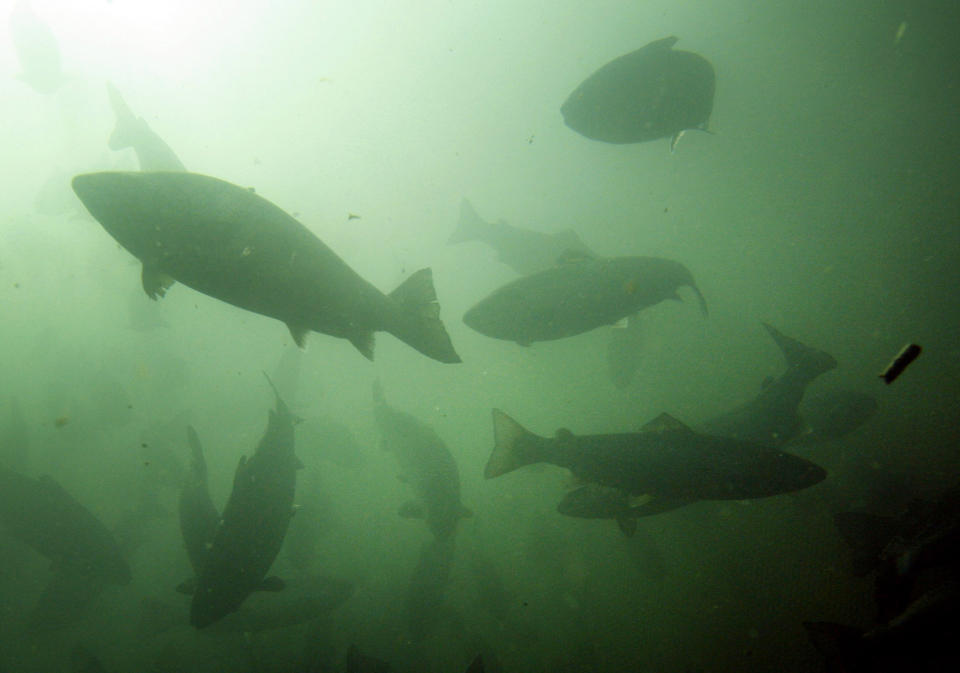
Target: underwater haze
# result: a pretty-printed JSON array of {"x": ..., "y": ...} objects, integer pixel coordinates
[{"x": 808, "y": 228}]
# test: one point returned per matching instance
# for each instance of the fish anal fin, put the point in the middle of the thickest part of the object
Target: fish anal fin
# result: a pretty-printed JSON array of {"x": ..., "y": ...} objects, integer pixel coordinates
[
  {"x": 665, "y": 423},
  {"x": 155, "y": 282},
  {"x": 363, "y": 342}
]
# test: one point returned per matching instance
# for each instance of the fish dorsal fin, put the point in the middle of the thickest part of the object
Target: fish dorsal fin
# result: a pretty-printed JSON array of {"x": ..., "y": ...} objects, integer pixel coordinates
[
  {"x": 572, "y": 256},
  {"x": 665, "y": 423},
  {"x": 664, "y": 43}
]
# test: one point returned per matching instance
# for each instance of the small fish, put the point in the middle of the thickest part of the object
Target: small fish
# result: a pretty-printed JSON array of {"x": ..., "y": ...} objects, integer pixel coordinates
[
  {"x": 908, "y": 354},
  {"x": 352, "y": 216},
  {"x": 901, "y": 29}
]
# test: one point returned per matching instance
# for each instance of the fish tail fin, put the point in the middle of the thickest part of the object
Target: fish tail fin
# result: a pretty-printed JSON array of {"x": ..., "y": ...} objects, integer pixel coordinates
[
  {"x": 126, "y": 125},
  {"x": 514, "y": 446},
  {"x": 814, "y": 362},
  {"x": 198, "y": 464},
  {"x": 469, "y": 226},
  {"x": 701, "y": 299},
  {"x": 420, "y": 326}
]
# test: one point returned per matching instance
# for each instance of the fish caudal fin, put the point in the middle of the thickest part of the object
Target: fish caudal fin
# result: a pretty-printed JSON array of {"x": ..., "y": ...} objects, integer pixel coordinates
[
  {"x": 814, "y": 362},
  {"x": 469, "y": 227},
  {"x": 420, "y": 326},
  {"x": 125, "y": 128},
  {"x": 514, "y": 446}
]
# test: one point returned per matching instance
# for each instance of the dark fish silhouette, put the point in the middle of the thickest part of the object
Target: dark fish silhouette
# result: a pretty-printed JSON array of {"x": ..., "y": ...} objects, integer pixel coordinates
[
  {"x": 199, "y": 517},
  {"x": 594, "y": 501},
  {"x": 253, "y": 526},
  {"x": 579, "y": 295},
  {"x": 423, "y": 601},
  {"x": 232, "y": 244},
  {"x": 917, "y": 590},
  {"x": 37, "y": 50},
  {"x": 772, "y": 417},
  {"x": 134, "y": 132},
  {"x": 667, "y": 462},
  {"x": 425, "y": 464},
  {"x": 304, "y": 598},
  {"x": 40, "y": 513},
  {"x": 524, "y": 250},
  {"x": 653, "y": 92}
]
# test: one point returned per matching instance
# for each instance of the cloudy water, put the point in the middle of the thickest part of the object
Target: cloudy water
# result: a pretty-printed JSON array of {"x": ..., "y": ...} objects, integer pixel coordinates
[{"x": 574, "y": 312}]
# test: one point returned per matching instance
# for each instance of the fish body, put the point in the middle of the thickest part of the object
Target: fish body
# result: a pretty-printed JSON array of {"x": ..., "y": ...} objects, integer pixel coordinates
[
  {"x": 667, "y": 460},
  {"x": 834, "y": 414},
  {"x": 14, "y": 439},
  {"x": 578, "y": 295},
  {"x": 234, "y": 245},
  {"x": 426, "y": 464},
  {"x": 653, "y": 92},
  {"x": 524, "y": 250},
  {"x": 37, "y": 50},
  {"x": 772, "y": 417},
  {"x": 132, "y": 131},
  {"x": 40, "y": 513},
  {"x": 254, "y": 523}
]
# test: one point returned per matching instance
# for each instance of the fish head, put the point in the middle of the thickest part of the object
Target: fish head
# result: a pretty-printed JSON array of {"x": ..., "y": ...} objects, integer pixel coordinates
[
  {"x": 654, "y": 279},
  {"x": 786, "y": 472},
  {"x": 126, "y": 204}
]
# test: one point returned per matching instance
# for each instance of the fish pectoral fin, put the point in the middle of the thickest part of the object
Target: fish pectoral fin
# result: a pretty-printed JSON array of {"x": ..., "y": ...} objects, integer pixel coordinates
[
  {"x": 155, "y": 282},
  {"x": 299, "y": 334},
  {"x": 627, "y": 524},
  {"x": 413, "y": 510},
  {"x": 188, "y": 586},
  {"x": 664, "y": 423},
  {"x": 363, "y": 342},
  {"x": 675, "y": 139},
  {"x": 272, "y": 583}
]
